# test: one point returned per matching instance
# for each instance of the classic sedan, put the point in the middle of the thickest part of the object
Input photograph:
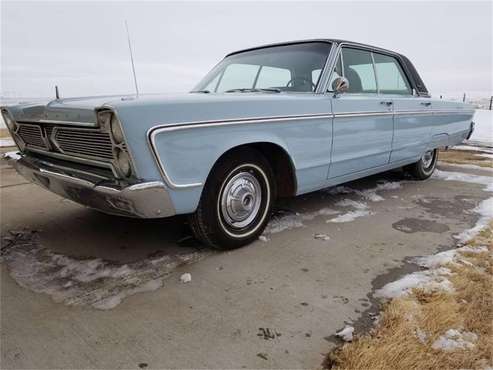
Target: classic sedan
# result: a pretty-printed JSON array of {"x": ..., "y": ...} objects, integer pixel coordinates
[{"x": 272, "y": 121}]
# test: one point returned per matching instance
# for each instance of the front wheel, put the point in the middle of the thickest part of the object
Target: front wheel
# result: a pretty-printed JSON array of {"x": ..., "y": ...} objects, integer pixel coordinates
[
  {"x": 425, "y": 167},
  {"x": 236, "y": 201}
]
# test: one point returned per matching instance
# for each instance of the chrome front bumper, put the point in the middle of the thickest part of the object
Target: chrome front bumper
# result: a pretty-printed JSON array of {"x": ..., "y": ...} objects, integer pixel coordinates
[{"x": 142, "y": 200}]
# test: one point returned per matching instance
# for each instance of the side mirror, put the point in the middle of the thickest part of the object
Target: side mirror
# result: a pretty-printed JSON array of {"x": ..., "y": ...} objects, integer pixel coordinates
[{"x": 340, "y": 85}]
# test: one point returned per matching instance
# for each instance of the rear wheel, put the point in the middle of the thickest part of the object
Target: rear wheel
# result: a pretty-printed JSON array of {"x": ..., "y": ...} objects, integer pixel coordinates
[
  {"x": 236, "y": 201},
  {"x": 425, "y": 167}
]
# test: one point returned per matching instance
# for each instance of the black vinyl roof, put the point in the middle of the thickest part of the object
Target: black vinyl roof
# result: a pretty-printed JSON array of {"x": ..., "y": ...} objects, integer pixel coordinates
[
  {"x": 409, "y": 68},
  {"x": 331, "y": 41}
]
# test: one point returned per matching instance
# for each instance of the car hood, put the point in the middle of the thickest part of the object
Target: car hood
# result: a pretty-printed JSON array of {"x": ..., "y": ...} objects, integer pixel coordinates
[
  {"x": 76, "y": 110},
  {"x": 168, "y": 108}
]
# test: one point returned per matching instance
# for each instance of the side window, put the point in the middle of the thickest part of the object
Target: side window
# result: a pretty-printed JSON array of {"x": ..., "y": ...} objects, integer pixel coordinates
[
  {"x": 336, "y": 73},
  {"x": 358, "y": 69},
  {"x": 272, "y": 77},
  {"x": 238, "y": 76},
  {"x": 391, "y": 78}
]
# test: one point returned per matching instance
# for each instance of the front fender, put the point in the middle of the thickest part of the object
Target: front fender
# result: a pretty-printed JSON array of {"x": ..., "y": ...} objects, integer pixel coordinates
[{"x": 186, "y": 154}]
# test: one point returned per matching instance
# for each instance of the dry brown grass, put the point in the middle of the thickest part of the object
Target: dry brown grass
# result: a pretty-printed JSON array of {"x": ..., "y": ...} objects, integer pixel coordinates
[
  {"x": 394, "y": 343},
  {"x": 464, "y": 157}
]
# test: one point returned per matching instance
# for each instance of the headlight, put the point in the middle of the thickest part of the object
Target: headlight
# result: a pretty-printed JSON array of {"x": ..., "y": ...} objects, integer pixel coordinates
[
  {"x": 104, "y": 119},
  {"x": 116, "y": 130},
  {"x": 123, "y": 162}
]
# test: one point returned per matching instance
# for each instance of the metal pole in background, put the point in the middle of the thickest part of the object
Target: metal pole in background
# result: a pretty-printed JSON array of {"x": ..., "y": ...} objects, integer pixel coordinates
[{"x": 132, "y": 59}]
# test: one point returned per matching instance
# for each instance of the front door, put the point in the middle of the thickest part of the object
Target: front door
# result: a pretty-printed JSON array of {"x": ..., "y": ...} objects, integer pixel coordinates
[{"x": 363, "y": 120}]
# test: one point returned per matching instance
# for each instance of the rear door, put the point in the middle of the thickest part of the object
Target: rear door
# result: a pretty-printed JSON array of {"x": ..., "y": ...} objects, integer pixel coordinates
[
  {"x": 363, "y": 120},
  {"x": 412, "y": 114}
]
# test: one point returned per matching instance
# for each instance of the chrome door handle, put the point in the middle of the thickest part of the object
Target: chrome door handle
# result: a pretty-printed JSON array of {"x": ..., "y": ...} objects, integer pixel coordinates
[
  {"x": 426, "y": 103},
  {"x": 387, "y": 103}
]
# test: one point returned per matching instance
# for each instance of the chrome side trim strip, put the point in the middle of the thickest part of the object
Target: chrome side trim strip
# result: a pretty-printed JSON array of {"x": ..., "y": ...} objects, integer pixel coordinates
[
  {"x": 432, "y": 112},
  {"x": 152, "y": 132},
  {"x": 438, "y": 111},
  {"x": 414, "y": 113},
  {"x": 362, "y": 114}
]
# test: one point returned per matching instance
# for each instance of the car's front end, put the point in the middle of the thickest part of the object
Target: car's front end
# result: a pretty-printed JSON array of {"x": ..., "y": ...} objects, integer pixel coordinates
[{"x": 81, "y": 154}]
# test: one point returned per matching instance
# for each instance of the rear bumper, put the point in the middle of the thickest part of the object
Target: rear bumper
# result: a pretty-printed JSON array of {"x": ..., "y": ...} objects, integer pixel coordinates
[{"x": 142, "y": 200}]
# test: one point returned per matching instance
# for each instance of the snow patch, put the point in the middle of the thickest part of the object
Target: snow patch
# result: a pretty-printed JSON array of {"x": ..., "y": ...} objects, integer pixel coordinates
[
  {"x": 474, "y": 148},
  {"x": 92, "y": 282},
  {"x": 455, "y": 339},
  {"x": 368, "y": 194},
  {"x": 421, "y": 335},
  {"x": 490, "y": 156},
  {"x": 485, "y": 210},
  {"x": 433, "y": 279},
  {"x": 283, "y": 221},
  {"x": 11, "y": 155},
  {"x": 346, "y": 334},
  {"x": 323, "y": 237},
  {"x": 186, "y": 278},
  {"x": 6, "y": 142},
  {"x": 352, "y": 203},
  {"x": 360, "y": 210},
  {"x": 429, "y": 281},
  {"x": 483, "y": 129},
  {"x": 451, "y": 256},
  {"x": 393, "y": 185},
  {"x": 470, "y": 166},
  {"x": 321, "y": 212},
  {"x": 465, "y": 177},
  {"x": 350, "y": 216}
]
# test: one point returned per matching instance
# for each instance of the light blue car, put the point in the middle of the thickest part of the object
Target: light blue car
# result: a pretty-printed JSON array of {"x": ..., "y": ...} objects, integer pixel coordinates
[{"x": 273, "y": 121}]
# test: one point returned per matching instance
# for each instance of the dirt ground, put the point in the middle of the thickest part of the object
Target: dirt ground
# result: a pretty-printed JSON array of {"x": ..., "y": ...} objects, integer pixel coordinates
[{"x": 80, "y": 289}]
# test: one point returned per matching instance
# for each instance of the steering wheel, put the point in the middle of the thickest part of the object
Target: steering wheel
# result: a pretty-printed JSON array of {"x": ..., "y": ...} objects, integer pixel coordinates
[{"x": 302, "y": 79}]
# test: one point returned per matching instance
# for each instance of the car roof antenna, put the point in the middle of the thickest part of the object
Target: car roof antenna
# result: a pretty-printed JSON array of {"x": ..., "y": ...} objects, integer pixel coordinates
[
  {"x": 132, "y": 59},
  {"x": 57, "y": 94}
]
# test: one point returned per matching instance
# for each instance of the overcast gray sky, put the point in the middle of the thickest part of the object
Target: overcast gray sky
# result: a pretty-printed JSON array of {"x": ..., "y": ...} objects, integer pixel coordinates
[{"x": 82, "y": 46}]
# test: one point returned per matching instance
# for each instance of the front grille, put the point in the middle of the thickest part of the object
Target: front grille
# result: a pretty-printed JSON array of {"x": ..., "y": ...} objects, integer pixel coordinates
[
  {"x": 86, "y": 142},
  {"x": 32, "y": 135}
]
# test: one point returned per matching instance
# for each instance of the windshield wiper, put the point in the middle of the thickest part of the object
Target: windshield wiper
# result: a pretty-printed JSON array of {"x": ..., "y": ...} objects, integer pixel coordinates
[
  {"x": 269, "y": 89},
  {"x": 202, "y": 91}
]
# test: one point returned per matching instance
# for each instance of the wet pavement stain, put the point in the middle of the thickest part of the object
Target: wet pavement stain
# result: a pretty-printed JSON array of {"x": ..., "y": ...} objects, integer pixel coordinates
[
  {"x": 414, "y": 225},
  {"x": 447, "y": 208},
  {"x": 88, "y": 281}
]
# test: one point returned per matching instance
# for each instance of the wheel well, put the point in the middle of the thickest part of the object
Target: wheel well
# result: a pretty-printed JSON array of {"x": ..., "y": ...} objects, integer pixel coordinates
[{"x": 281, "y": 164}]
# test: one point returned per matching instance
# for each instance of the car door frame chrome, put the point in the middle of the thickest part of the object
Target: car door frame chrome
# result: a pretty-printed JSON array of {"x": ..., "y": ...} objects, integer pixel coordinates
[{"x": 371, "y": 49}]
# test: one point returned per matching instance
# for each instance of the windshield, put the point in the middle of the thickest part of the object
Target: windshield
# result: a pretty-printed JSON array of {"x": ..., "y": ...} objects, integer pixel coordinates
[{"x": 295, "y": 67}]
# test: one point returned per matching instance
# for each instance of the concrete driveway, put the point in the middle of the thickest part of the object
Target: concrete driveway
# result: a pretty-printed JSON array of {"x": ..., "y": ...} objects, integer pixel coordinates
[{"x": 88, "y": 290}]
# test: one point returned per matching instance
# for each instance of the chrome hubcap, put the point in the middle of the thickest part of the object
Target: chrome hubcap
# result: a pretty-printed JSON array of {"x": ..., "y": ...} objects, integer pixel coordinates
[
  {"x": 427, "y": 159},
  {"x": 240, "y": 200}
]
